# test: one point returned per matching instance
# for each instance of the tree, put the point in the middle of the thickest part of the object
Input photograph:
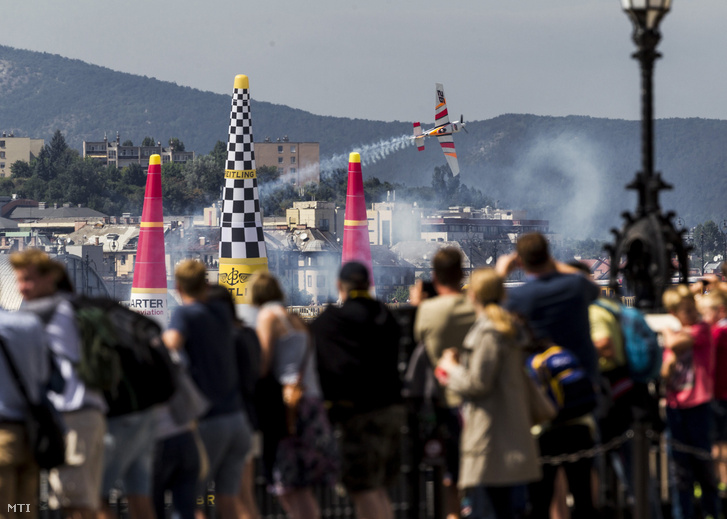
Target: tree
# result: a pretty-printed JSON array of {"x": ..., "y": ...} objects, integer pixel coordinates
[
  {"x": 7, "y": 186},
  {"x": 219, "y": 154},
  {"x": 708, "y": 240},
  {"x": 134, "y": 175},
  {"x": 400, "y": 295},
  {"x": 57, "y": 149},
  {"x": 375, "y": 191},
  {"x": 42, "y": 166},
  {"x": 274, "y": 201},
  {"x": 445, "y": 186},
  {"x": 34, "y": 188},
  {"x": 267, "y": 174},
  {"x": 149, "y": 141},
  {"x": 81, "y": 182},
  {"x": 176, "y": 144},
  {"x": 204, "y": 177},
  {"x": 176, "y": 196},
  {"x": 127, "y": 142},
  {"x": 20, "y": 169}
]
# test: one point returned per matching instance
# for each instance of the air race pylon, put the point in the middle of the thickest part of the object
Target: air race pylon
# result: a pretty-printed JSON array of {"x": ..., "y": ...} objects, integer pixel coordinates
[
  {"x": 242, "y": 244},
  {"x": 149, "y": 288},
  {"x": 356, "y": 246}
]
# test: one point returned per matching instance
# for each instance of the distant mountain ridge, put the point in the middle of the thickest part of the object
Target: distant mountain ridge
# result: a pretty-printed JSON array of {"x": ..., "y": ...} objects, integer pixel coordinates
[{"x": 571, "y": 170}]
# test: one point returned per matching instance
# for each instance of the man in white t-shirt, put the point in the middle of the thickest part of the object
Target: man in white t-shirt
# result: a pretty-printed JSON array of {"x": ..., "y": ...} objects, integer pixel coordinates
[{"x": 83, "y": 409}]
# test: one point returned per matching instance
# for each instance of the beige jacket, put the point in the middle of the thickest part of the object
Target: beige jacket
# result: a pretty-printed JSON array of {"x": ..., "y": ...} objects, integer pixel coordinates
[
  {"x": 497, "y": 447},
  {"x": 443, "y": 322}
]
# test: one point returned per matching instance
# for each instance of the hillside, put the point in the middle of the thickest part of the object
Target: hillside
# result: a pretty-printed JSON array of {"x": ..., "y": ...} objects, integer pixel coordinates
[{"x": 571, "y": 170}]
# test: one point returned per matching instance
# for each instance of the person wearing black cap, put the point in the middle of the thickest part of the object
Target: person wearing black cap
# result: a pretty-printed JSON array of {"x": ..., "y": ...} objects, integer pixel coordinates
[{"x": 357, "y": 349}]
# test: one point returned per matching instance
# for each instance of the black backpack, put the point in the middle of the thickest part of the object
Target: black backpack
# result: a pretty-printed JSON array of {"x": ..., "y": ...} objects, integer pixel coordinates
[{"x": 122, "y": 354}]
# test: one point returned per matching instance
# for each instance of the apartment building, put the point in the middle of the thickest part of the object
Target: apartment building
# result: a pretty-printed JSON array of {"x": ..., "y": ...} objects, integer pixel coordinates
[
  {"x": 14, "y": 148},
  {"x": 298, "y": 162},
  {"x": 113, "y": 153}
]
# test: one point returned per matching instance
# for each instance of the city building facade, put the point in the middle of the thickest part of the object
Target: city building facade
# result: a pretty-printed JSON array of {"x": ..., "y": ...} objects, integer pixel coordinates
[
  {"x": 323, "y": 216},
  {"x": 298, "y": 163},
  {"x": 112, "y": 153},
  {"x": 13, "y": 149},
  {"x": 467, "y": 224}
]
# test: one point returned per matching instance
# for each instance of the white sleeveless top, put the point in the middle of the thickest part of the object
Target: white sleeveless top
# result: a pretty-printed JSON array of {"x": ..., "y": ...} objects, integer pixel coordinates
[{"x": 288, "y": 353}]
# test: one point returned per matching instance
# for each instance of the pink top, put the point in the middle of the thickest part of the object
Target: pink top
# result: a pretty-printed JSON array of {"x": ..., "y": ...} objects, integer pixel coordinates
[
  {"x": 719, "y": 336},
  {"x": 693, "y": 383}
]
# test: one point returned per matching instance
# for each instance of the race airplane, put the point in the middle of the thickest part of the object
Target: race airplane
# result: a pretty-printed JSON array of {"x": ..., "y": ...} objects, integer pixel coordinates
[{"x": 442, "y": 131}]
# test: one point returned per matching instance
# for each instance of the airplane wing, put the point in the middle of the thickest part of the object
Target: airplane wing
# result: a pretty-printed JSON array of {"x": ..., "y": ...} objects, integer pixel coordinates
[
  {"x": 447, "y": 144},
  {"x": 441, "y": 116}
]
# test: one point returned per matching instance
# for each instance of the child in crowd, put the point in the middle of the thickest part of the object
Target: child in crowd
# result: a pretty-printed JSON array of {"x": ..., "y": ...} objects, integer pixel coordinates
[
  {"x": 713, "y": 307},
  {"x": 688, "y": 367}
]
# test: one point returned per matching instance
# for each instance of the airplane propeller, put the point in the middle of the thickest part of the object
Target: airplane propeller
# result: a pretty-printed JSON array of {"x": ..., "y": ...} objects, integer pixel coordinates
[{"x": 461, "y": 122}]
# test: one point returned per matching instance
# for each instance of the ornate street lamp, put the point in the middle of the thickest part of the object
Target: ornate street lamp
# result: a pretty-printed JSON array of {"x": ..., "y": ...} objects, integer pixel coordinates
[{"x": 648, "y": 239}]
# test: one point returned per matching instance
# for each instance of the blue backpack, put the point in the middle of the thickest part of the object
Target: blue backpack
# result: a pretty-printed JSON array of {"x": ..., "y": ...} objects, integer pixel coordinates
[
  {"x": 561, "y": 376},
  {"x": 641, "y": 345}
]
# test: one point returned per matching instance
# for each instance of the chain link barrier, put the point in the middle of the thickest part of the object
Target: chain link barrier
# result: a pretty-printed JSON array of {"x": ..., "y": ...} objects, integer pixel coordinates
[{"x": 598, "y": 450}]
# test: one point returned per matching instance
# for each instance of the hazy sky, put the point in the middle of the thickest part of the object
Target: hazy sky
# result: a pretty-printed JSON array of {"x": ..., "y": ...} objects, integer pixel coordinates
[{"x": 378, "y": 59}]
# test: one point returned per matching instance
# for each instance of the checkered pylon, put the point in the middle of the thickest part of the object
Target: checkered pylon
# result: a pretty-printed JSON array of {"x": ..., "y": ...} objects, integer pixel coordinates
[
  {"x": 242, "y": 243},
  {"x": 242, "y": 230}
]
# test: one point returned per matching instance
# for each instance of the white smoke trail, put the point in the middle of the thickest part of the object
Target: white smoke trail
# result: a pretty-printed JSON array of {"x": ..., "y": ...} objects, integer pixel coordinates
[
  {"x": 575, "y": 187},
  {"x": 370, "y": 154}
]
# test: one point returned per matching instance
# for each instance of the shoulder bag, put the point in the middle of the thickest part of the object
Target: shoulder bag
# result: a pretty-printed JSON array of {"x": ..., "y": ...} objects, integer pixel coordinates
[{"x": 46, "y": 429}]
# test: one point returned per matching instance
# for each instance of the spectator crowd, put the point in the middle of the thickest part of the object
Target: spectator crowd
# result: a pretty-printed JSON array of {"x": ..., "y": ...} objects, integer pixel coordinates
[{"x": 325, "y": 403}]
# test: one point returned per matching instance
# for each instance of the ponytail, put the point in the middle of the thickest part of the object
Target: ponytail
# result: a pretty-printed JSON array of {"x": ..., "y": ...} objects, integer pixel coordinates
[{"x": 502, "y": 320}]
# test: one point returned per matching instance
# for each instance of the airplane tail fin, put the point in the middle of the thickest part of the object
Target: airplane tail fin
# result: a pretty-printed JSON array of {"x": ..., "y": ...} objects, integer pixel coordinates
[{"x": 418, "y": 137}]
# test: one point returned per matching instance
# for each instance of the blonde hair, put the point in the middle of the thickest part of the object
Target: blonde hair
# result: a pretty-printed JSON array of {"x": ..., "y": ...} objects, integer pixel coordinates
[
  {"x": 44, "y": 266},
  {"x": 191, "y": 277},
  {"x": 264, "y": 288},
  {"x": 674, "y": 296},
  {"x": 714, "y": 299},
  {"x": 488, "y": 290},
  {"x": 33, "y": 258}
]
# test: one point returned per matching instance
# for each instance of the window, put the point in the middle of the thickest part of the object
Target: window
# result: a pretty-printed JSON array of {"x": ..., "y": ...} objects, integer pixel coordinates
[
  {"x": 112, "y": 154},
  {"x": 280, "y": 160},
  {"x": 292, "y": 160},
  {"x": 2, "y": 165},
  {"x": 2, "y": 154},
  {"x": 292, "y": 148},
  {"x": 292, "y": 171},
  {"x": 310, "y": 280},
  {"x": 323, "y": 224},
  {"x": 281, "y": 171},
  {"x": 2, "y": 144},
  {"x": 280, "y": 149}
]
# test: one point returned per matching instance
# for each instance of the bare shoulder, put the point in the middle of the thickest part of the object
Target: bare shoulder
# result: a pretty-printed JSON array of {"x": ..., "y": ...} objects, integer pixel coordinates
[{"x": 297, "y": 322}]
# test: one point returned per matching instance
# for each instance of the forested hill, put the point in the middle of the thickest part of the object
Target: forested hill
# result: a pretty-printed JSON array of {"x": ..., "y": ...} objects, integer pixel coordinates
[{"x": 570, "y": 170}]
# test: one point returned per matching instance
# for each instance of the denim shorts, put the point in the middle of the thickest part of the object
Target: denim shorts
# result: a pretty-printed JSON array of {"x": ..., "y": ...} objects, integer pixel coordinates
[
  {"x": 227, "y": 439},
  {"x": 128, "y": 453}
]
